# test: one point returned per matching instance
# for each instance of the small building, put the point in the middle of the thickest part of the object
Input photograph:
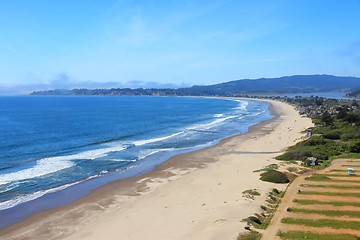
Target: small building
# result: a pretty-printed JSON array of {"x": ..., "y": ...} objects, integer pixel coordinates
[{"x": 311, "y": 161}]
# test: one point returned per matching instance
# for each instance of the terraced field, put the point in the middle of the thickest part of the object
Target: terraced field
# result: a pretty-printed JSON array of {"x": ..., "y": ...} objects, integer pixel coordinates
[{"x": 323, "y": 204}]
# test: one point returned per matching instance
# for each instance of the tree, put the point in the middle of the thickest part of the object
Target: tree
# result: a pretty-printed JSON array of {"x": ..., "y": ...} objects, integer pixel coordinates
[{"x": 327, "y": 119}]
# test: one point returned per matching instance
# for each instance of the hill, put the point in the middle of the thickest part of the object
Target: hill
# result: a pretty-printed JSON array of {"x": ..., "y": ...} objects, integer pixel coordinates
[
  {"x": 282, "y": 85},
  {"x": 354, "y": 93}
]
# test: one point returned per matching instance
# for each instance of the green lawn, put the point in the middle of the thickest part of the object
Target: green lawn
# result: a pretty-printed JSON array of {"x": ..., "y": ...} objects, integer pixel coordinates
[
  {"x": 326, "y": 178},
  {"x": 250, "y": 236},
  {"x": 323, "y": 223},
  {"x": 312, "y": 202},
  {"x": 330, "y": 194},
  {"x": 330, "y": 186},
  {"x": 294, "y": 235},
  {"x": 330, "y": 213}
]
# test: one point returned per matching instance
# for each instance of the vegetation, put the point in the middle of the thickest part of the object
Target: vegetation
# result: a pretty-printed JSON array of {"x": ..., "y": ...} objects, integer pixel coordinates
[
  {"x": 330, "y": 186},
  {"x": 255, "y": 220},
  {"x": 295, "y": 235},
  {"x": 250, "y": 193},
  {"x": 274, "y": 177},
  {"x": 267, "y": 168},
  {"x": 324, "y": 178},
  {"x": 332, "y": 203},
  {"x": 342, "y": 194},
  {"x": 336, "y": 132},
  {"x": 292, "y": 169},
  {"x": 336, "y": 224},
  {"x": 253, "y": 235},
  {"x": 261, "y": 221},
  {"x": 337, "y": 175},
  {"x": 354, "y": 93},
  {"x": 330, "y": 213}
]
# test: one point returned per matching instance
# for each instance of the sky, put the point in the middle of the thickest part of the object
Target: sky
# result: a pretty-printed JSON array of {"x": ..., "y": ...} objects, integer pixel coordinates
[{"x": 168, "y": 43}]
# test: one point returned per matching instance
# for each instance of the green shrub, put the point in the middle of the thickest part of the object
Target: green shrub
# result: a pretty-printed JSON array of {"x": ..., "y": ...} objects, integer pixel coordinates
[
  {"x": 255, "y": 220},
  {"x": 300, "y": 154},
  {"x": 314, "y": 141},
  {"x": 252, "y": 192},
  {"x": 276, "y": 191},
  {"x": 274, "y": 177},
  {"x": 333, "y": 135},
  {"x": 250, "y": 236},
  {"x": 354, "y": 146}
]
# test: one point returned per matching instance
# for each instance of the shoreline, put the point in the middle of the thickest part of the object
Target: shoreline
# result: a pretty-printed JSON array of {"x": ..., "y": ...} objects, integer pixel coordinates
[
  {"x": 74, "y": 219},
  {"x": 76, "y": 191}
]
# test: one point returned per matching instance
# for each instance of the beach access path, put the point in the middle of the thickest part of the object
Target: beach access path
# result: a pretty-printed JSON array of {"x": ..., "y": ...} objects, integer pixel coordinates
[{"x": 196, "y": 195}]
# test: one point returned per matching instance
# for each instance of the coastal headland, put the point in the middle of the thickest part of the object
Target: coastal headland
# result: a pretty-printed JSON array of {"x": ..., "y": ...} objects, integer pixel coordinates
[{"x": 196, "y": 195}]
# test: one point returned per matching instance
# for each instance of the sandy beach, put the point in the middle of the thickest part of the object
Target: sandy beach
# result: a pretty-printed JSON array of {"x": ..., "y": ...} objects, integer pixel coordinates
[{"x": 196, "y": 195}]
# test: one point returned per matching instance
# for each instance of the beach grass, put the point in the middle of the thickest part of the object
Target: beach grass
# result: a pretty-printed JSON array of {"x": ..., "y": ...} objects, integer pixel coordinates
[
  {"x": 262, "y": 221},
  {"x": 332, "y": 203},
  {"x": 296, "y": 235},
  {"x": 268, "y": 168},
  {"x": 329, "y": 213},
  {"x": 336, "y": 224},
  {"x": 292, "y": 169},
  {"x": 252, "y": 192},
  {"x": 253, "y": 235}
]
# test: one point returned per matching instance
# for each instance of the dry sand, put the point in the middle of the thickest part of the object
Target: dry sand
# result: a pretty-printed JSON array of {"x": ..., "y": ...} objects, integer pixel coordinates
[{"x": 196, "y": 195}]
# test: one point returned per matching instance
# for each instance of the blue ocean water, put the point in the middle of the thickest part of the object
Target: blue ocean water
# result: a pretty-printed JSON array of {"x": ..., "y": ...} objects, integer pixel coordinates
[{"x": 48, "y": 144}]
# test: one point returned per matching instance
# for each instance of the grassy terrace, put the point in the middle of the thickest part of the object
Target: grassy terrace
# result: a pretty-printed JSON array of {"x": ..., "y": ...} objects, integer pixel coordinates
[
  {"x": 294, "y": 235},
  {"x": 330, "y": 194},
  {"x": 325, "y": 178},
  {"x": 323, "y": 223},
  {"x": 329, "y": 186},
  {"x": 332, "y": 203},
  {"x": 330, "y": 213}
]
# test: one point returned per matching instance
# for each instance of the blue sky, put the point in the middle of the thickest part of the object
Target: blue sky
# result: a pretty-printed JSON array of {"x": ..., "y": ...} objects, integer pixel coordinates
[{"x": 109, "y": 43}]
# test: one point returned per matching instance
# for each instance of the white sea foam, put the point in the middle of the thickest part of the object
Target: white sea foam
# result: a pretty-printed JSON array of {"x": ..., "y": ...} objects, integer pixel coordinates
[
  {"x": 121, "y": 160},
  {"x": 209, "y": 125},
  {"x": 149, "y": 153},
  {"x": 152, "y": 140},
  {"x": 54, "y": 164},
  {"x": 29, "y": 197},
  {"x": 218, "y": 115},
  {"x": 243, "y": 104},
  {"x": 43, "y": 167}
]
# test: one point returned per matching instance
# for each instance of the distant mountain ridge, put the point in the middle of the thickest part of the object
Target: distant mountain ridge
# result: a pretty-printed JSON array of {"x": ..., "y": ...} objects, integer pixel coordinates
[{"x": 282, "y": 85}]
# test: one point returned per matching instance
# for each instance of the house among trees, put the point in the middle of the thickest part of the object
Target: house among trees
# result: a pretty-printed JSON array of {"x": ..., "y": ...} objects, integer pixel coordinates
[{"x": 311, "y": 161}]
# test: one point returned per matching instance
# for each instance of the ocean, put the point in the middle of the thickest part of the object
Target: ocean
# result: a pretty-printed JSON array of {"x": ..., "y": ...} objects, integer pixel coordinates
[{"x": 50, "y": 145}]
